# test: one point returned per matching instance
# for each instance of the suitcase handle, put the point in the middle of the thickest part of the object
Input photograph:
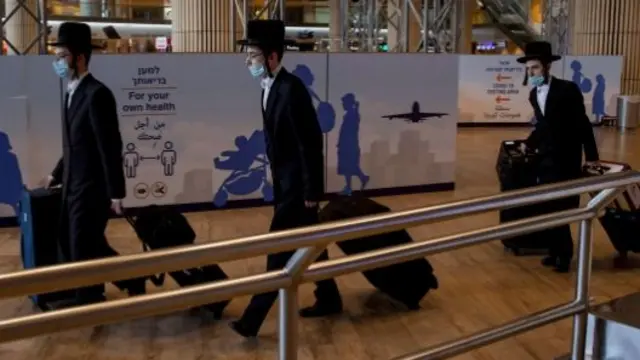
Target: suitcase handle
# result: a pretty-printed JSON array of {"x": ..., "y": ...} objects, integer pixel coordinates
[
  {"x": 157, "y": 280},
  {"x": 596, "y": 169}
]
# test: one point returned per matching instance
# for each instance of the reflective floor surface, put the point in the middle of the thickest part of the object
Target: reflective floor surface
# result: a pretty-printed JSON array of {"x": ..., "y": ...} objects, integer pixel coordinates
[{"x": 479, "y": 287}]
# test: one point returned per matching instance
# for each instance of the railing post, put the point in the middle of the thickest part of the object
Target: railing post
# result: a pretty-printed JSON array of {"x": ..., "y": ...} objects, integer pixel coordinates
[
  {"x": 288, "y": 302},
  {"x": 288, "y": 323},
  {"x": 583, "y": 278}
]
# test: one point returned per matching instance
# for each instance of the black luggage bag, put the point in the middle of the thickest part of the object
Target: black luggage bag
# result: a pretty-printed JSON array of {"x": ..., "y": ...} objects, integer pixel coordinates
[
  {"x": 621, "y": 220},
  {"x": 517, "y": 170},
  {"x": 39, "y": 218},
  {"x": 406, "y": 282},
  {"x": 162, "y": 228}
]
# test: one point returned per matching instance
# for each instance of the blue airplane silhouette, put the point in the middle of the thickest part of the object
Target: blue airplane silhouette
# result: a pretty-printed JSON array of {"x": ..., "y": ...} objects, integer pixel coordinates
[{"x": 415, "y": 116}]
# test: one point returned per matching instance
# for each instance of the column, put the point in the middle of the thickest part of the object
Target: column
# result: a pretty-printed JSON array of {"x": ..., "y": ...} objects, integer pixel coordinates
[
  {"x": 203, "y": 26},
  {"x": 335, "y": 25},
  {"x": 21, "y": 29},
  {"x": 465, "y": 18},
  {"x": 415, "y": 26},
  {"x": 91, "y": 8},
  {"x": 610, "y": 28}
]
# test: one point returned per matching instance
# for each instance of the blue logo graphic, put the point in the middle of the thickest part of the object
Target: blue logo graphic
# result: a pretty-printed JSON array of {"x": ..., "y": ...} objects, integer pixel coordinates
[
  {"x": 325, "y": 111},
  {"x": 11, "y": 184},
  {"x": 586, "y": 85},
  {"x": 248, "y": 165},
  {"x": 349, "y": 145}
]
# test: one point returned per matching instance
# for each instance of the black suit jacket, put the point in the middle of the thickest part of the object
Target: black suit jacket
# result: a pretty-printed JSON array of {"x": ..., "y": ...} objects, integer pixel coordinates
[
  {"x": 91, "y": 165},
  {"x": 294, "y": 141},
  {"x": 563, "y": 131}
]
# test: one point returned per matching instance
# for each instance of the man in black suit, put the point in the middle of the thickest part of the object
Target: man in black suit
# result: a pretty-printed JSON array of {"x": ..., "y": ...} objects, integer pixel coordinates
[
  {"x": 90, "y": 169},
  {"x": 295, "y": 150},
  {"x": 561, "y": 133}
]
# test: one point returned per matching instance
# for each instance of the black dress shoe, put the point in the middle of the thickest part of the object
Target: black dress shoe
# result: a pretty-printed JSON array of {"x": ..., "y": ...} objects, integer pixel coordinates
[
  {"x": 562, "y": 266},
  {"x": 318, "y": 310},
  {"x": 239, "y": 327},
  {"x": 550, "y": 261}
]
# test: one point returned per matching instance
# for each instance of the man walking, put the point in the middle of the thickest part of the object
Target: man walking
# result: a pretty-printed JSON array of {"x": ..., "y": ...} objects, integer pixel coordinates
[
  {"x": 90, "y": 169},
  {"x": 561, "y": 133},
  {"x": 295, "y": 150}
]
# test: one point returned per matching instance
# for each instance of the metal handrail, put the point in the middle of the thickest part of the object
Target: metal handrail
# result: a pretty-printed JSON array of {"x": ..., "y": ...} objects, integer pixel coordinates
[
  {"x": 156, "y": 304},
  {"x": 85, "y": 273},
  {"x": 312, "y": 240}
]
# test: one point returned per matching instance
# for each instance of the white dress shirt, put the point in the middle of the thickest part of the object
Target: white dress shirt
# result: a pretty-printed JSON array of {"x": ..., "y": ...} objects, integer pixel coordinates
[
  {"x": 266, "y": 84},
  {"x": 73, "y": 85},
  {"x": 542, "y": 92}
]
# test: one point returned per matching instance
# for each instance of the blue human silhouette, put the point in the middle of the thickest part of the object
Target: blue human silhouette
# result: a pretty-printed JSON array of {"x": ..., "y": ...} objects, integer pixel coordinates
[
  {"x": 583, "y": 82},
  {"x": 11, "y": 184},
  {"x": 325, "y": 111},
  {"x": 349, "y": 145},
  {"x": 598, "y": 102},
  {"x": 248, "y": 165}
]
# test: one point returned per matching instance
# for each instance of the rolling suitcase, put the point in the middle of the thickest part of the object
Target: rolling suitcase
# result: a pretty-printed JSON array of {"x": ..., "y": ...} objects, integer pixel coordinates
[
  {"x": 517, "y": 170},
  {"x": 39, "y": 218},
  {"x": 621, "y": 219},
  {"x": 389, "y": 279},
  {"x": 162, "y": 228}
]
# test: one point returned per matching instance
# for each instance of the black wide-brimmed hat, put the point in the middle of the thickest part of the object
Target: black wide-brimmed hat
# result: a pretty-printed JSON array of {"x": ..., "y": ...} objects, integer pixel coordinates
[
  {"x": 266, "y": 34},
  {"x": 75, "y": 36},
  {"x": 538, "y": 50}
]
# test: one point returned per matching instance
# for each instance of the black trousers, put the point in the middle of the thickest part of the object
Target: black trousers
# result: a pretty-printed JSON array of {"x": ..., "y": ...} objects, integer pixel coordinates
[
  {"x": 288, "y": 216},
  {"x": 559, "y": 238},
  {"x": 83, "y": 224}
]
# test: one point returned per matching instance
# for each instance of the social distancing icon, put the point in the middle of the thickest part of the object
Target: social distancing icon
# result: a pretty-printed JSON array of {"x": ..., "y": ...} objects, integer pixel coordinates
[
  {"x": 159, "y": 189},
  {"x": 141, "y": 191}
]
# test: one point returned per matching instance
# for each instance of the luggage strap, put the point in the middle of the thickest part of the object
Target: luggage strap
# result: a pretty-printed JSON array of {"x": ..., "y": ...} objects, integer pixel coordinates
[{"x": 157, "y": 280}]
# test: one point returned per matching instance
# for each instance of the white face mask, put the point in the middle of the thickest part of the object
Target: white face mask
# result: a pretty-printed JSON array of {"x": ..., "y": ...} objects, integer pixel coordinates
[
  {"x": 257, "y": 69},
  {"x": 61, "y": 68},
  {"x": 536, "y": 80}
]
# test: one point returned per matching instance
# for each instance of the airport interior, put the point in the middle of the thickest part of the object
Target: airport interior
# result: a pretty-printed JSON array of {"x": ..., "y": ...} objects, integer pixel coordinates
[{"x": 440, "y": 217}]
